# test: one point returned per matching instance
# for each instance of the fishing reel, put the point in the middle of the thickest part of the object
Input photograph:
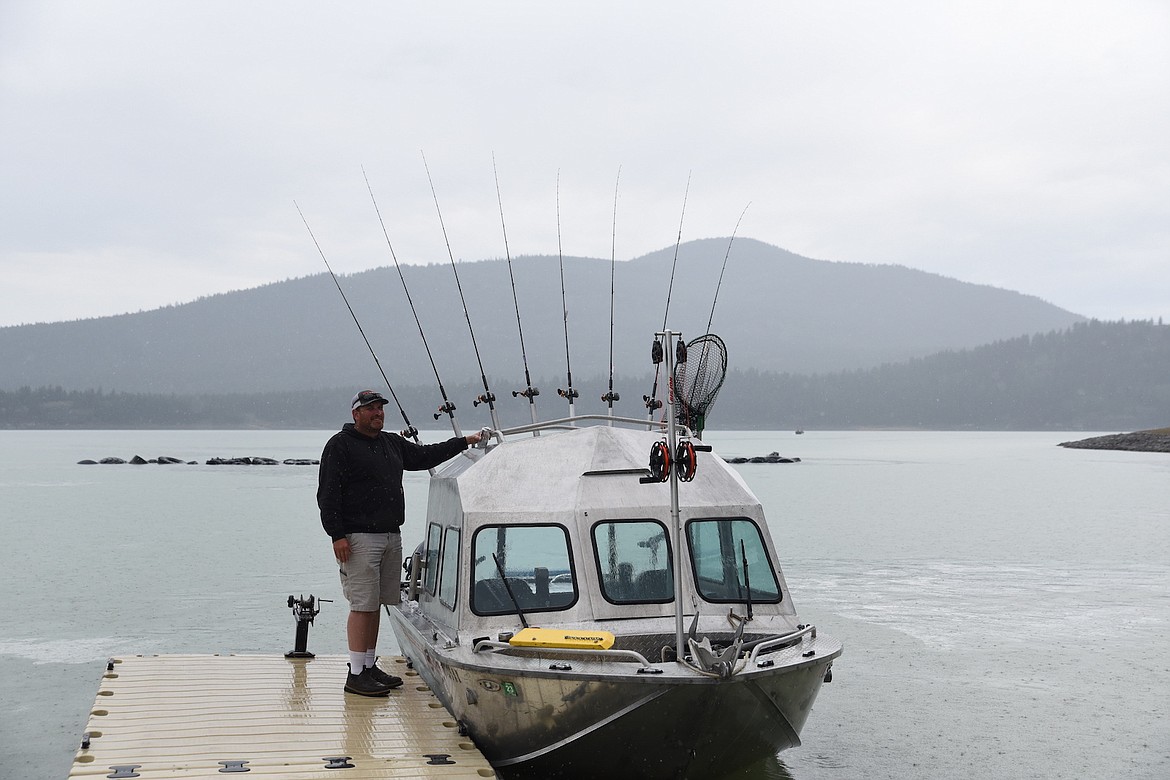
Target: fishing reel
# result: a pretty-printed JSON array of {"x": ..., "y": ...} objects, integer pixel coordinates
[
  {"x": 484, "y": 398},
  {"x": 569, "y": 394},
  {"x": 680, "y": 351},
  {"x": 659, "y": 463},
  {"x": 447, "y": 408},
  {"x": 683, "y": 460},
  {"x": 653, "y": 404},
  {"x": 530, "y": 393},
  {"x": 611, "y": 396}
]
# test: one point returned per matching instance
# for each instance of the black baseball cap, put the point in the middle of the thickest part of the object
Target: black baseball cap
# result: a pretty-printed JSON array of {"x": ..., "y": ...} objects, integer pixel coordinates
[{"x": 367, "y": 397}]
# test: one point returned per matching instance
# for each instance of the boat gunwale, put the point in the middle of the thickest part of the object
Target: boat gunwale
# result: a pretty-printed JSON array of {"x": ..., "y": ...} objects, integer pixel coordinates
[{"x": 500, "y": 659}]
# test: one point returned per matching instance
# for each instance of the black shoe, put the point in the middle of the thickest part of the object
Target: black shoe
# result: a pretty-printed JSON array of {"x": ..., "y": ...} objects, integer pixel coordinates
[
  {"x": 364, "y": 684},
  {"x": 388, "y": 680}
]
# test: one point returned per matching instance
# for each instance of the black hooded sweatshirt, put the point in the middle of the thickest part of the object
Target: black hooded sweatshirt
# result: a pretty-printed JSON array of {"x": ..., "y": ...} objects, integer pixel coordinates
[{"x": 359, "y": 489}]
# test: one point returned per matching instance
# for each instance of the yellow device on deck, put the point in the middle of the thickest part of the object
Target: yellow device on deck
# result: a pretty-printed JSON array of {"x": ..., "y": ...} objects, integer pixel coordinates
[{"x": 569, "y": 639}]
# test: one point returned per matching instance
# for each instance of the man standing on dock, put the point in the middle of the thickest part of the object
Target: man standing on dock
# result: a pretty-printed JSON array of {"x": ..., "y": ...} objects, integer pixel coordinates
[{"x": 359, "y": 492}]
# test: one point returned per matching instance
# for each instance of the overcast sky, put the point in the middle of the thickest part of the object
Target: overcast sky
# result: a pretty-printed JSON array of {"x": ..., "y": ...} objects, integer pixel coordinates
[{"x": 152, "y": 152}]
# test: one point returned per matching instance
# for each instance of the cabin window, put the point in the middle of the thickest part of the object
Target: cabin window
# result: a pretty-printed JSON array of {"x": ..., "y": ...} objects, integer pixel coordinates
[
  {"x": 431, "y": 573},
  {"x": 727, "y": 554},
  {"x": 449, "y": 572},
  {"x": 635, "y": 561},
  {"x": 525, "y": 566}
]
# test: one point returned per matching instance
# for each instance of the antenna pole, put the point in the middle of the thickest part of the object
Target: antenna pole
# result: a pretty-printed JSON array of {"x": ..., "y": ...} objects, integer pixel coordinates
[{"x": 675, "y": 517}]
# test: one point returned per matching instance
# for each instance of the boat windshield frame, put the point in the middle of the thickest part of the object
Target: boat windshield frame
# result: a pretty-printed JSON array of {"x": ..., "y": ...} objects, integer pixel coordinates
[
  {"x": 621, "y": 582},
  {"x": 731, "y": 563},
  {"x": 535, "y": 588}
]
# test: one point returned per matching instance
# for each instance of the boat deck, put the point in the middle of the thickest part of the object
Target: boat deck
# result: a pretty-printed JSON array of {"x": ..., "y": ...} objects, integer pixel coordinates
[{"x": 204, "y": 716}]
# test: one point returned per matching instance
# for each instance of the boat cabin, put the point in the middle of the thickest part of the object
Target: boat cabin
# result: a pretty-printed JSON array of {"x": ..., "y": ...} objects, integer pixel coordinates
[{"x": 560, "y": 528}]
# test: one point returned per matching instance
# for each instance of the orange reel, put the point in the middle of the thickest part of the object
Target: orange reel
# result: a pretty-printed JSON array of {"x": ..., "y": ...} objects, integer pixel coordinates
[
  {"x": 685, "y": 461},
  {"x": 660, "y": 461}
]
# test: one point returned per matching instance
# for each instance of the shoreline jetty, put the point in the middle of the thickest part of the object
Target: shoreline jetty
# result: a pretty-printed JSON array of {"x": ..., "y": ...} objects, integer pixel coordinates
[{"x": 1157, "y": 440}]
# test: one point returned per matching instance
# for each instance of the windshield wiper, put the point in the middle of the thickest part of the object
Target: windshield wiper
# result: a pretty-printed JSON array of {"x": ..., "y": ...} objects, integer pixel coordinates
[{"x": 512, "y": 596}]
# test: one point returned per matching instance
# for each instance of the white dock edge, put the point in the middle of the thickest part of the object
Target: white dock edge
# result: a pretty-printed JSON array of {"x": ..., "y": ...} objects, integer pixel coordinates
[{"x": 200, "y": 716}]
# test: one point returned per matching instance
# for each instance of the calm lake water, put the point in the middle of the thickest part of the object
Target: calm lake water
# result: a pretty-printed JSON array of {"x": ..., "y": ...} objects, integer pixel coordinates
[{"x": 1004, "y": 602}]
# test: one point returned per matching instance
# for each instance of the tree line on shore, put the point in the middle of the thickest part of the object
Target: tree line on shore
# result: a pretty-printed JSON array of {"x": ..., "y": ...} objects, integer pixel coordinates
[{"x": 1093, "y": 376}]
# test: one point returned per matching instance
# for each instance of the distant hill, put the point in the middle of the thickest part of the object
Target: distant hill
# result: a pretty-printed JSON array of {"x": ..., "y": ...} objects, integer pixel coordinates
[
  {"x": 777, "y": 312},
  {"x": 1094, "y": 376},
  {"x": 1097, "y": 376}
]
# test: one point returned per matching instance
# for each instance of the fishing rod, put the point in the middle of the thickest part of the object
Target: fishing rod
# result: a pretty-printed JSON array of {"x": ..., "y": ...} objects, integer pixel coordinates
[
  {"x": 652, "y": 402},
  {"x": 569, "y": 393},
  {"x": 611, "y": 396},
  {"x": 488, "y": 397},
  {"x": 696, "y": 404},
  {"x": 446, "y": 407},
  {"x": 724, "y": 268},
  {"x": 411, "y": 432},
  {"x": 530, "y": 392}
]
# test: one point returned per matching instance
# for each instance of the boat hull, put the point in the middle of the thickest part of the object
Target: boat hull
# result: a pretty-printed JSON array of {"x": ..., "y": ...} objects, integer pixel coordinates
[
  {"x": 599, "y": 718},
  {"x": 684, "y": 731}
]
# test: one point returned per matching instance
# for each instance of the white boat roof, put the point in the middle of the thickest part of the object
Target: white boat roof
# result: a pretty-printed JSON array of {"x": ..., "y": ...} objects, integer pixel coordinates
[{"x": 591, "y": 468}]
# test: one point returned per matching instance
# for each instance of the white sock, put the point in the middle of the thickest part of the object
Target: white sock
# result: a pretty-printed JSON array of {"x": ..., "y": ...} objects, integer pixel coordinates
[
  {"x": 357, "y": 662},
  {"x": 371, "y": 658}
]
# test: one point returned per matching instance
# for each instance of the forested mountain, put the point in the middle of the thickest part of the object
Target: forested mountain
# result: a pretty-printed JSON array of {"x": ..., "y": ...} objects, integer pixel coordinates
[
  {"x": 777, "y": 312},
  {"x": 1093, "y": 376}
]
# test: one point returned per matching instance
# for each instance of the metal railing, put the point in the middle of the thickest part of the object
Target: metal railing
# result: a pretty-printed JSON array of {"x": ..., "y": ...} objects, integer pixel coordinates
[
  {"x": 762, "y": 646},
  {"x": 570, "y": 652}
]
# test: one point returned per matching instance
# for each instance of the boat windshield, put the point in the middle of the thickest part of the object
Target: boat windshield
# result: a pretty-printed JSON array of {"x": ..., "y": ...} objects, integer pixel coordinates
[
  {"x": 634, "y": 559},
  {"x": 727, "y": 554},
  {"x": 533, "y": 560}
]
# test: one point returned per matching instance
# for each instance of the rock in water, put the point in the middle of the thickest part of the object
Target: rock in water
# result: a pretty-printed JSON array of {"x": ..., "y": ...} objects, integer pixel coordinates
[{"x": 1139, "y": 441}]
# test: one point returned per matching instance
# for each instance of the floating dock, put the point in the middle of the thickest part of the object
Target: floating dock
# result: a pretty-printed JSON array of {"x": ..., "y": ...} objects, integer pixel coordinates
[{"x": 205, "y": 716}]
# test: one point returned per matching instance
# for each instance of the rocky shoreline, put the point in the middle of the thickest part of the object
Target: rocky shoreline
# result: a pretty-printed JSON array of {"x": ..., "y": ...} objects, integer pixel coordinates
[{"x": 1138, "y": 441}]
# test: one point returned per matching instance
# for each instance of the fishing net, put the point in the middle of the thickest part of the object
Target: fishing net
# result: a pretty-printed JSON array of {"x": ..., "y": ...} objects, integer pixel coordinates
[{"x": 698, "y": 379}]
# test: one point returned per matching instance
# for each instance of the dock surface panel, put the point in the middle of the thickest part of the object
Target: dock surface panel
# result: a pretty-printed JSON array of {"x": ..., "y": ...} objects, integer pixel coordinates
[{"x": 200, "y": 716}]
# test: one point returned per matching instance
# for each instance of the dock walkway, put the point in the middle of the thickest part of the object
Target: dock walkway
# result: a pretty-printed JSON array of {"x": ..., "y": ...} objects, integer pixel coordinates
[{"x": 204, "y": 716}]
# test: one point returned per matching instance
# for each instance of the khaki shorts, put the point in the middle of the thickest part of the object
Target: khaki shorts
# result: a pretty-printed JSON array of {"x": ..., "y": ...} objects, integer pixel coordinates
[{"x": 373, "y": 574}]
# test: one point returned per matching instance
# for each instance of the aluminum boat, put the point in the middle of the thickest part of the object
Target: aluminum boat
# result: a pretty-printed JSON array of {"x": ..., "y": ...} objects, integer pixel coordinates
[{"x": 563, "y": 568}]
